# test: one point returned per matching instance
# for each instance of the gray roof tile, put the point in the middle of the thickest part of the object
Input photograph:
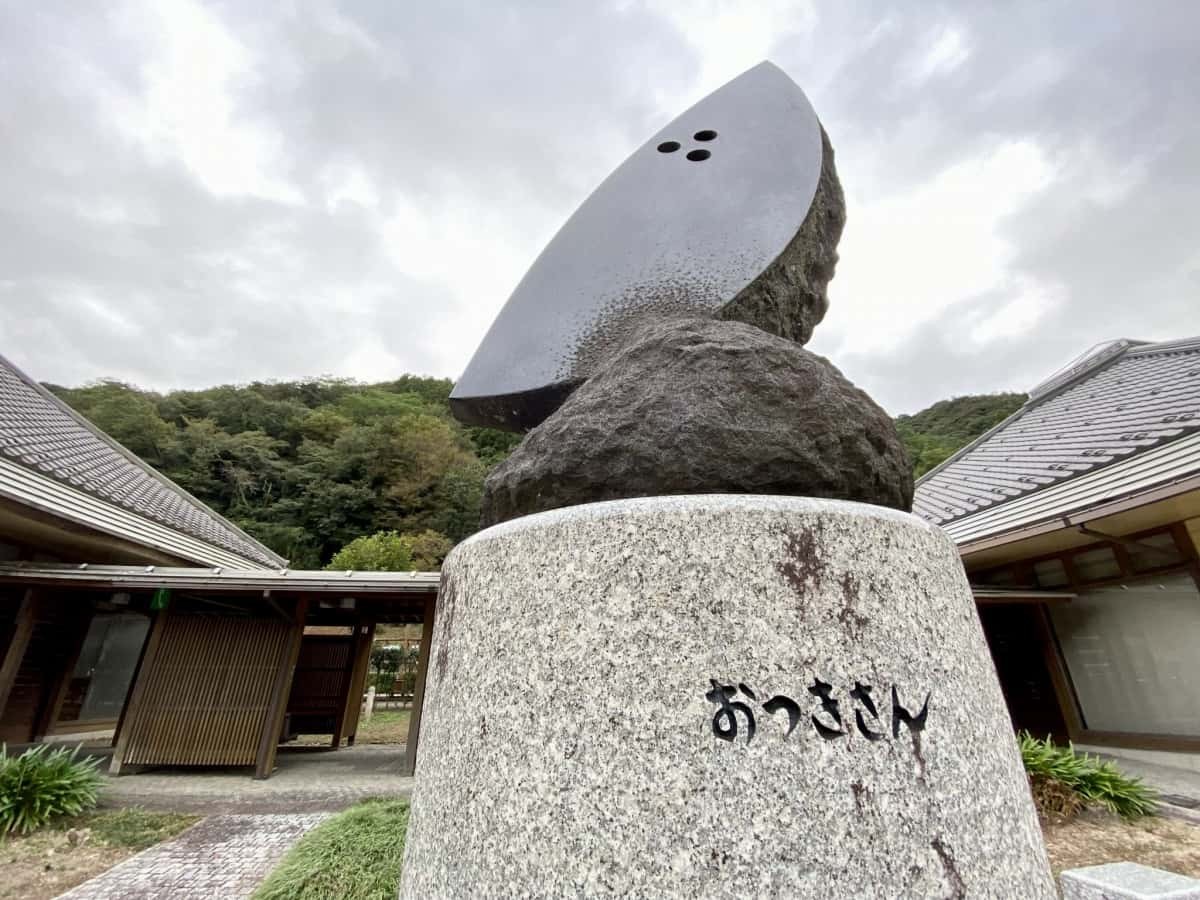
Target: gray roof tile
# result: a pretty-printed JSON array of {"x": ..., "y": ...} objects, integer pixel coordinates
[
  {"x": 40, "y": 431},
  {"x": 1115, "y": 402}
]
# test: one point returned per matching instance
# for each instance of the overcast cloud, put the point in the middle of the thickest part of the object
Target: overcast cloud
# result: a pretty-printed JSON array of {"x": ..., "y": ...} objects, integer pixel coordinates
[{"x": 197, "y": 193}]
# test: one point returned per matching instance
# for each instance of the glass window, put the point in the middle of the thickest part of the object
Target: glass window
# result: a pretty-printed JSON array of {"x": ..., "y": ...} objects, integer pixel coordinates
[
  {"x": 1153, "y": 551},
  {"x": 1131, "y": 653},
  {"x": 1050, "y": 573},
  {"x": 105, "y": 667},
  {"x": 1096, "y": 565}
]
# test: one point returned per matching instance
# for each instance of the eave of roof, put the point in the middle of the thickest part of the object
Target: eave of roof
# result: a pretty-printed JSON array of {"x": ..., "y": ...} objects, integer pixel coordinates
[
  {"x": 219, "y": 579},
  {"x": 1136, "y": 430},
  {"x": 45, "y": 436},
  {"x": 35, "y": 491}
]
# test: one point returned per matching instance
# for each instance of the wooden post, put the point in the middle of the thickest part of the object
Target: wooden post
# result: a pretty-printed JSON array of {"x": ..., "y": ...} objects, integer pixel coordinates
[
  {"x": 22, "y": 631},
  {"x": 414, "y": 719},
  {"x": 365, "y": 636},
  {"x": 133, "y": 702},
  {"x": 269, "y": 739},
  {"x": 1059, "y": 676},
  {"x": 342, "y": 719}
]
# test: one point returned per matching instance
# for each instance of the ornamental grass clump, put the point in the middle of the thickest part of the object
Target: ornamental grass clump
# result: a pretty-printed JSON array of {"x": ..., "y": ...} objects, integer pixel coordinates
[
  {"x": 42, "y": 784},
  {"x": 1058, "y": 774},
  {"x": 355, "y": 855}
]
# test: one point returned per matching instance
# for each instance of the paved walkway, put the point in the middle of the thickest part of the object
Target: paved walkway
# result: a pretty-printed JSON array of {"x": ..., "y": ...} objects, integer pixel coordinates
[
  {"x": 304, "y": 781},
  {"x": 250, "y": 824},
  {"x": 220, "y": 858}
]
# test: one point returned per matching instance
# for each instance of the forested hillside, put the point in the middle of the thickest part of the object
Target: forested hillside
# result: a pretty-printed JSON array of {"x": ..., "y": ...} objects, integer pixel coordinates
[
  {"x": 308, "y": 466},
  {"x": 934, "y": 433}
]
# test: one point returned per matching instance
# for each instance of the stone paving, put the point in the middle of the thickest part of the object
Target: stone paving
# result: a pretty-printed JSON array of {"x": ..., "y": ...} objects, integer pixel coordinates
[
  {"x": 304, "y": 781},
  {"x": 250, "y": 824},
  {"x": 220, "y": 858}
]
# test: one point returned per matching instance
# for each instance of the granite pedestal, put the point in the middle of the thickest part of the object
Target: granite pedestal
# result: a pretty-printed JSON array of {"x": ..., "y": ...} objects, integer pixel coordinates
[
  {"x": 1127, "y": 881},
  {"x": 716, "y": 696}
]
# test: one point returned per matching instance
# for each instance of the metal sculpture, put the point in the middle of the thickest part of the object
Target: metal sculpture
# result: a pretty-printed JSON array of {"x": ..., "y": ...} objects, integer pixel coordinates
[
  {"x": 654, "y": 347},
  {"x": 687, "y": 222}
]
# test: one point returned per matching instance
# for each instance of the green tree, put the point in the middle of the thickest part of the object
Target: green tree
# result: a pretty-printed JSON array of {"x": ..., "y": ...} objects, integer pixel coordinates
[
  {"x": 455, "y": 504},
  {"x": 936, "y": 433},
  {"x": 128, "y": 415},
  {"x": 389, "y": 551},
  {"x": 384, "y": 551},
  {"x": 324, "y": 424},
  {"x": 427, "y": 549},
  {"x": 309, "y": 466},
  {"x": 492, "y": 446}
]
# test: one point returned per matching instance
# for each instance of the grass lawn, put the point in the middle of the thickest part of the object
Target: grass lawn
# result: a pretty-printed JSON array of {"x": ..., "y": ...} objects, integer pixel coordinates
[
  {"x": 42, "y": 865},
  {"x": 385, "y": 727},
  {"x": 356, "y": 855}
]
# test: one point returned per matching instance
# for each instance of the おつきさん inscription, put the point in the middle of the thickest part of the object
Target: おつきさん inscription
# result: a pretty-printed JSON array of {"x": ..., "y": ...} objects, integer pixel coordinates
[{"x": 826, "y": 717}]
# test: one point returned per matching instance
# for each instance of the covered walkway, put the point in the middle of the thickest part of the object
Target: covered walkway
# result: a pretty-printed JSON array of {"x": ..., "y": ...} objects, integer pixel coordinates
[
  {"x": 304, "y": 781},
  {"x": 199, "y": 667}
]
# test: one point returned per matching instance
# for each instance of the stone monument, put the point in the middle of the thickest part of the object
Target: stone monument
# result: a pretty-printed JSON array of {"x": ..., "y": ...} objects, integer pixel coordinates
[{"x": 683, "y": 661}]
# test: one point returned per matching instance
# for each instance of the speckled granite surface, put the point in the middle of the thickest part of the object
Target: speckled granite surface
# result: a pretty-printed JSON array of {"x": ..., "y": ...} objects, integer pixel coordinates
[
  {"x": 1127, "y": 881},
  {"x": 591, "y": 665}
]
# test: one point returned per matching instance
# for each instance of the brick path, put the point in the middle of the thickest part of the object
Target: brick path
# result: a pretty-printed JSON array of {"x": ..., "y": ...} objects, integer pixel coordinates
[{"x": 222, "y": 857}]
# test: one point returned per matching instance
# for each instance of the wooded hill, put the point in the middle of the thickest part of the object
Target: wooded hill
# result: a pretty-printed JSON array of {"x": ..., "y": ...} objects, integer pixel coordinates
[
  {"x": 934, "y": 433},
  {"x": 308, "y": 466}
]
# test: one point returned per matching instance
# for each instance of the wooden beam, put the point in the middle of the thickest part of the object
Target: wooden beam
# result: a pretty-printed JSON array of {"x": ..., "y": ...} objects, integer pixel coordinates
[
  {"x": 133, "y": 703},
  {"x": 1016, "y": 599},
  {"x": 23, "y": 627},
  {"x": 1059, "y": 677},
  {"x": 358, "y": 680},
  {"x": 414, "y": 719},
  {"x": 268, "y": 741},
  {"x": 1169, "y": 743}
]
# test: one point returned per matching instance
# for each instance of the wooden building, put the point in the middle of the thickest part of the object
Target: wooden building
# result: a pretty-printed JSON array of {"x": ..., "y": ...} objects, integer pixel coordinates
[
  {"x": 1078, "y": 521},
  {"x": 131, "y": 611},
  {"x": 226, "y": 663}
]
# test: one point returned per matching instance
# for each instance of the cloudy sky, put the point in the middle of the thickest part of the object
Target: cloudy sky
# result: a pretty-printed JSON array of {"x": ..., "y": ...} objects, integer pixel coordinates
[{"x": 198, "y": 193}]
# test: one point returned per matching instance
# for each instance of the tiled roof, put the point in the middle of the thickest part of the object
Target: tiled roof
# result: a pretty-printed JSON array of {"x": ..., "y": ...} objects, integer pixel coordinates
[
  {"x": 1116, "y": 402},
  {"x": 42, "y": 433}
]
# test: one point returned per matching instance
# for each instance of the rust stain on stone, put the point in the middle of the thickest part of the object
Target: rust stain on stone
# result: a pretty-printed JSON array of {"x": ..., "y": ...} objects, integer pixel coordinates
[
  {"x": 958, "y": 888},
  {"x": 803, "y": 566},
  {"x": 447, "y": 595},
  {"x": 861, "y": 794},
  {"x": 919, "y": 753},
  {"x": 851, "y": 621}
]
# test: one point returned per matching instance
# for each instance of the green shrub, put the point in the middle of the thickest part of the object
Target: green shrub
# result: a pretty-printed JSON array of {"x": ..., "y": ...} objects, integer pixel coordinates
[
  {"x": 1094, "y": 780},
  {"x": 42, "y": 784},
  {"x": 355, "y": 855}
]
